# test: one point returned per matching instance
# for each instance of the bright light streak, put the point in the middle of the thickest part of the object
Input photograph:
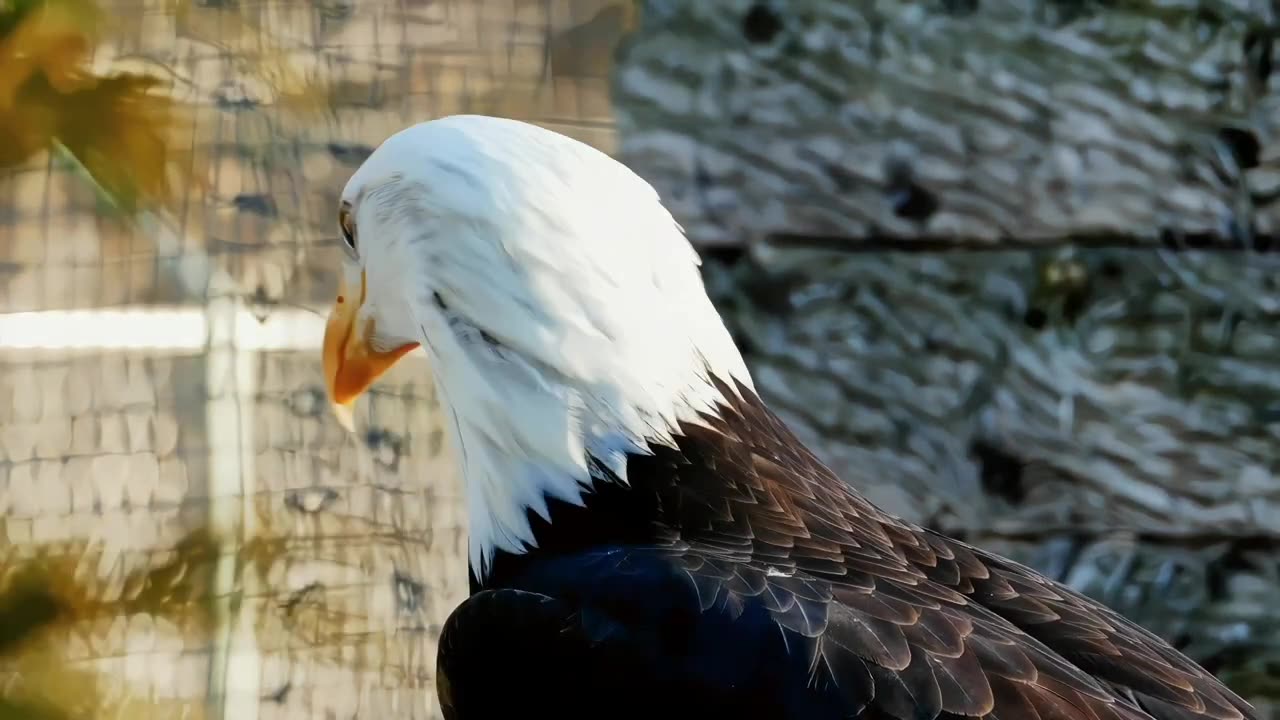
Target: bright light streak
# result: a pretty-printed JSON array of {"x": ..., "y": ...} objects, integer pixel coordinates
[{"x": 172, "y": 330}]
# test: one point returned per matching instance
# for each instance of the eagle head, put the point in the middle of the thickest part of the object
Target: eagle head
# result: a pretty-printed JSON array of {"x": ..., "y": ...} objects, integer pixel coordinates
[{"x": 561, "y": 308}]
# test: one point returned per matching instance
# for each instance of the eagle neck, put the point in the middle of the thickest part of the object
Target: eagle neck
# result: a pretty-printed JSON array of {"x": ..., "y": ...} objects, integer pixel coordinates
[{"x": 674, "y": 489}]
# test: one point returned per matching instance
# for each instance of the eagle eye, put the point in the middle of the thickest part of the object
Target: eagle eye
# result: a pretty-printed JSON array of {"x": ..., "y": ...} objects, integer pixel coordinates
[{"x": 348, "y": 227}]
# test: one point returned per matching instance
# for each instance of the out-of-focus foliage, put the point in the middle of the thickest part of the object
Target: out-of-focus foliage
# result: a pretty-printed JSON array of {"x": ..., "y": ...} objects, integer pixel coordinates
[
  {"x": 51, "y": 596},
  {"x": 134, "y": 140},
  {"x": 120, "y": 127}
]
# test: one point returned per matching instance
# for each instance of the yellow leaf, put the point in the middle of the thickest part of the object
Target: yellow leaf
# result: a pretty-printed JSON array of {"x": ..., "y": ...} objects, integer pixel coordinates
[
  {"x": 52, "y": 38},
  {"x": 124, "y": 134}
]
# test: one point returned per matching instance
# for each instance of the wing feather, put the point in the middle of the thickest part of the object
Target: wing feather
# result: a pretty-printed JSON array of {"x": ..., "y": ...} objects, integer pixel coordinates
[
  {"x": 939, "y": 624},
  {"x": 767, "y": 566}
]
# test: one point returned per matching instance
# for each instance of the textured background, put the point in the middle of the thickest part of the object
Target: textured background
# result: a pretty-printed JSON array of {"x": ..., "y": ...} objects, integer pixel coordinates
[
  {"x": 112, "y": 457},
  {"x": 1090, "y": 386},
  {"x": 1009, "y": 265}
]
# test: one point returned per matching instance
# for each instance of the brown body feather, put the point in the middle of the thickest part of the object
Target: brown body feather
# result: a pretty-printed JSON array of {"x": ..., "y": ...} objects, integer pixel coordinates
[{"x": 868, "y": 616}]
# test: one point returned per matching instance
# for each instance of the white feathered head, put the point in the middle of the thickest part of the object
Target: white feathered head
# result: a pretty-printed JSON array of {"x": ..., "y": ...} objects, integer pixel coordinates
[{"x": 560, "y": 305}]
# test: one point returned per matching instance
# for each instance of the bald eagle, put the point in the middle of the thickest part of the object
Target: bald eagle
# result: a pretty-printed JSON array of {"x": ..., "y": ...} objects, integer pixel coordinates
[{"x": 646, "y": 538}]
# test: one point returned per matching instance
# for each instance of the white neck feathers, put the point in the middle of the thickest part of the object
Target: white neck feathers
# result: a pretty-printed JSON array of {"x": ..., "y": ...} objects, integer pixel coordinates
[{"x": 530, "y": 437}]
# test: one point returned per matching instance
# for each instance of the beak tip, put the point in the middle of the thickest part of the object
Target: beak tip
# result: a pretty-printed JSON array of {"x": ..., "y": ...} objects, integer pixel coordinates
[{"x": 345, "y": 417}]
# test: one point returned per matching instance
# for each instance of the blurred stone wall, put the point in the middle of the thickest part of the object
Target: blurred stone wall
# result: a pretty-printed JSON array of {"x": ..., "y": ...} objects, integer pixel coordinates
[{"x": 1009, "y": 267}]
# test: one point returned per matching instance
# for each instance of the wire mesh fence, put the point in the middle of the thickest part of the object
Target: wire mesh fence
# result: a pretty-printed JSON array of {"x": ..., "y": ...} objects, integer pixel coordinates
[{"x": 173, "y": 491}]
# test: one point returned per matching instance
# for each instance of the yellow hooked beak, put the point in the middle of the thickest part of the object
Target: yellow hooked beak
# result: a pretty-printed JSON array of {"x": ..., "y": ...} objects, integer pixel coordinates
[{"x": 350, "y": 364}]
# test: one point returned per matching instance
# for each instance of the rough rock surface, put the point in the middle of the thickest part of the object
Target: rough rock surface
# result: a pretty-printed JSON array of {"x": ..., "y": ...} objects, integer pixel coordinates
[
  {"x": 973, "y": 121},
  {"x": 997, "y": 260}
]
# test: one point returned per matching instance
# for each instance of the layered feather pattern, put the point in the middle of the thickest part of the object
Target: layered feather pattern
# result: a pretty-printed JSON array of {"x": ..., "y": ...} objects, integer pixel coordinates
[{"x": 734, "y": 570}]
